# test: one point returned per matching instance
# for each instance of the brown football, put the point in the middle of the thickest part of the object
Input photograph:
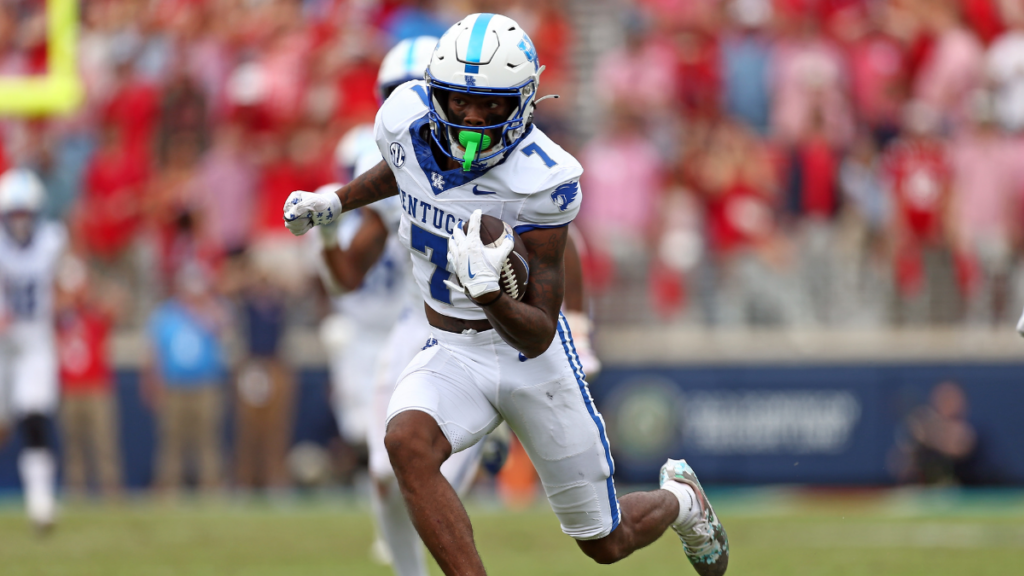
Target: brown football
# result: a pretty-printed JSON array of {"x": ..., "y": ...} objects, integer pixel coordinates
[{"x": 515, "y": 273}]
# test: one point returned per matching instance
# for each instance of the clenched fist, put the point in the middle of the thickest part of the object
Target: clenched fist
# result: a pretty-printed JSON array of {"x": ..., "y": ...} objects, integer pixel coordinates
[{"x": 303, "y": 210}]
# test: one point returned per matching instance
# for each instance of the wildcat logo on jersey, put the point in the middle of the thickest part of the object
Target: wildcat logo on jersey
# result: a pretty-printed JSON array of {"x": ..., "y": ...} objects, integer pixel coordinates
[
  {"x": 436, "y": 180},
  {"x": 430, "y": 342},
  {"x": 526, "y": 45},
  {"x": 397, "y": 154},
  {"x": 565, "y": 195}
]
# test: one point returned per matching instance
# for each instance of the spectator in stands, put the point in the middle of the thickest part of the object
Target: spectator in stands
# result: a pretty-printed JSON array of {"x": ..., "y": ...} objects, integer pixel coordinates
[
  {"x": 183, "y": 380},
  {"x": 919, "y": 174},
  {"x": 1005, "y": 65},
  {"x": 414, "y": 18},
  {"x": 89, "y": 414},
  {"x": 698, "y": 85},
  {"x": 811, "y": 205},
  {"x": 183, "y": 114},
  {"x": 751, "y": 260},
  {"x": 641, "y": 74},
  {"x": 134, "y": 108},
  {"x": 167, "y": 201},
  {"x": 986, "y": 209},
  {"x": 878, "y": 73},
  {"x": 745, "y": 66},
  {"x": 810, "y": 83},
  {"x": 865, "y": 275},
  {"x": 108, "y": 216},
  {"x": 228, "y": 168},
  {"x": 952, "y": 69},
  {"x": 621, "y": 159},
  {"x": 264, "y": 386}
]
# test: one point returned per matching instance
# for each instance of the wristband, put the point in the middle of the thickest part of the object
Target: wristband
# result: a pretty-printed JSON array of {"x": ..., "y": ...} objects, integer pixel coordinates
[{"x": 491, "y": 303}]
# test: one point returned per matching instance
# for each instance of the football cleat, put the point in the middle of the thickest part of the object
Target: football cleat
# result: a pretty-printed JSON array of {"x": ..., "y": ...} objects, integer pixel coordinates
[{"x": 704, "y": 541}]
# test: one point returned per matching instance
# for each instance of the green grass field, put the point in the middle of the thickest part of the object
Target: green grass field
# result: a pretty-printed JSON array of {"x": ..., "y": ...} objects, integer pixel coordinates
[{"x": 773, "y": 532}]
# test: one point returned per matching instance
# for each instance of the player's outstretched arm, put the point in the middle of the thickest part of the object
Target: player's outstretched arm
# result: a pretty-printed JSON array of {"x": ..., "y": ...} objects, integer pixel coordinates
[
  {"x": 530, "y": 325},
  {"x": 349, "y": 266},
  {"x": 303, "y": 210}
]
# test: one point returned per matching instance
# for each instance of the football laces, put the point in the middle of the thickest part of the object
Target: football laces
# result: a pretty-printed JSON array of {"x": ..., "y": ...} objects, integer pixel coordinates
[{"x": 509, "y": 277}]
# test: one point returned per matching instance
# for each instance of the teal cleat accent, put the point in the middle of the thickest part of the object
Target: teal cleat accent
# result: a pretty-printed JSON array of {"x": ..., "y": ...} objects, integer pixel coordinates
[{"x": 704, "y": 542}]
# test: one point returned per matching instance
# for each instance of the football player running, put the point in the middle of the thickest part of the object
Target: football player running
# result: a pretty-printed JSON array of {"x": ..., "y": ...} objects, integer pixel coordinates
[
  {"x": 30, "y": 251},
  {"x": 352, "y": 253},
  {"x": 457, "y": 145}
]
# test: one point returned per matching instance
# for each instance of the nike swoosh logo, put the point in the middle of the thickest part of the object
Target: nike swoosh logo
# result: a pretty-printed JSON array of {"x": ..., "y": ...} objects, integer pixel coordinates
[
  {"x": 469, "y": 268},
  {"x": 479, "y": 192}
]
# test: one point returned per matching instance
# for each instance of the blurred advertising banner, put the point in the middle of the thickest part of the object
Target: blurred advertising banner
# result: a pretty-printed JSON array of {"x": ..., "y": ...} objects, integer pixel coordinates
[{"x": 834, "y": 424}]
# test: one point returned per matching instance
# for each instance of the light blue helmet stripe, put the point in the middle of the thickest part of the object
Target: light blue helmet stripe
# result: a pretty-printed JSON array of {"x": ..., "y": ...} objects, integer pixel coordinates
[
  {"x": 410, "y": 55},
  {"x": 476, "y": 42}
]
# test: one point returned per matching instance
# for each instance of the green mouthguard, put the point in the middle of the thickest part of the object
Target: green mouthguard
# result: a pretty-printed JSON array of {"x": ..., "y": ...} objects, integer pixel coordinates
[{"x": 471, "y": 142}]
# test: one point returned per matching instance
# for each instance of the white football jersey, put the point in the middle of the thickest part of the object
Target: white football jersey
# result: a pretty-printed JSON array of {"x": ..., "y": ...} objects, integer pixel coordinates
[
  {"x": 536, "y": 186},
  {"x": 378, "y": 300},
  {"x": 27, "y": 273}
]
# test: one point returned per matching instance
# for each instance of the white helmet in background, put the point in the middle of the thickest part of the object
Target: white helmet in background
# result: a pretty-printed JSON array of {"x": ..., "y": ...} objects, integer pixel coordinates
[
  {"x": 21, "y": 191},
  {"x": 488, "y": 55},
  {"x": 357, "y": 143},
  {"x": 408, "y": 60}
]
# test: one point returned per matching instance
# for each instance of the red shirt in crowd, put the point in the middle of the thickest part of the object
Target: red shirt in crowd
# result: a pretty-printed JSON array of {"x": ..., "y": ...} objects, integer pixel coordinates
[
  {"x": 110, "y": 204},
  {"x": 82, "y": 337},
  {"x": 698, "y": 77},
  {"x": 820, "y": 167},
  {"x": 920, "y": 175},
  {"x": 357, "y": 87},
  {"x": 738, "y": 217},
  {"x": 983, "y": 16},
  {"x": 878, "y": 69},
  {"x": 280, "y": 178},
  {"x": 135, "y": 108}
]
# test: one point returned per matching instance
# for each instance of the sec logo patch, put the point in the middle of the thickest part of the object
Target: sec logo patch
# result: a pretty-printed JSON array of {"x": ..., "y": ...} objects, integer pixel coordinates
[{"x": 397, "y": 154}]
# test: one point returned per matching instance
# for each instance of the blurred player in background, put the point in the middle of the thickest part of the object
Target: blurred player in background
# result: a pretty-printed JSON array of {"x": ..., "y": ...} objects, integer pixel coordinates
[
  {"x": 457, "y": 144},
  {"x": 30, "y": 251}
]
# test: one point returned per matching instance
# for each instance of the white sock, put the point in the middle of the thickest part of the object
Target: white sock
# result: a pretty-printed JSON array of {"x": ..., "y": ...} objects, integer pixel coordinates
[
  {"x": 407, "y": 555},
  {"x": 38, "y": 472},
  {"x": 689, "y": 508}
]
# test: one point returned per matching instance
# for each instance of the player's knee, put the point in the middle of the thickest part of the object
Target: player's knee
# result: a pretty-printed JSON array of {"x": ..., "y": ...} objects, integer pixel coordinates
[
  {"x": 607, "y": 550},
  {"x": 413, "y": 439},
  {"x": 33, "y": 429}
]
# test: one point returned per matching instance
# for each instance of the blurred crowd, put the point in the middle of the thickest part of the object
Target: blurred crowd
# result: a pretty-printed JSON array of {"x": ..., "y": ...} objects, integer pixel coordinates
[
  {"x": 847, "y": 163},
  {"x": 749, "y": 162}
]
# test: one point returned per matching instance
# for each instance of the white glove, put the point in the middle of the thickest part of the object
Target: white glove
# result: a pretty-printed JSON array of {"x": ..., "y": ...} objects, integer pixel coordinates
[
  {"x": 1020, "y": 325},
  {"x": 303, "y": 210},
  {"x": 580, "y": 326},
  {"x": 478, "y": 267}
]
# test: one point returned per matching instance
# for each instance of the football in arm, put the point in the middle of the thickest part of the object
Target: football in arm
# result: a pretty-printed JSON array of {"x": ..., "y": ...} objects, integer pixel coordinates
[{"x": 515, "y": 272}]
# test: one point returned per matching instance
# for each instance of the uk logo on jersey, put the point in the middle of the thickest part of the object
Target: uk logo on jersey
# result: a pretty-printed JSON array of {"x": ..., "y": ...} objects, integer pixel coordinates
[
  {"x": 565, "y": 195},
  {"x": 397, "y": 154},
  {"x": 436, "y": 180}
]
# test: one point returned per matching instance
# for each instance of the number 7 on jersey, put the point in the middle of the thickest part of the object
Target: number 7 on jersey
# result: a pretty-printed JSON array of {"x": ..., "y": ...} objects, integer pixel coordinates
[{"x": 420, "y": 240}]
